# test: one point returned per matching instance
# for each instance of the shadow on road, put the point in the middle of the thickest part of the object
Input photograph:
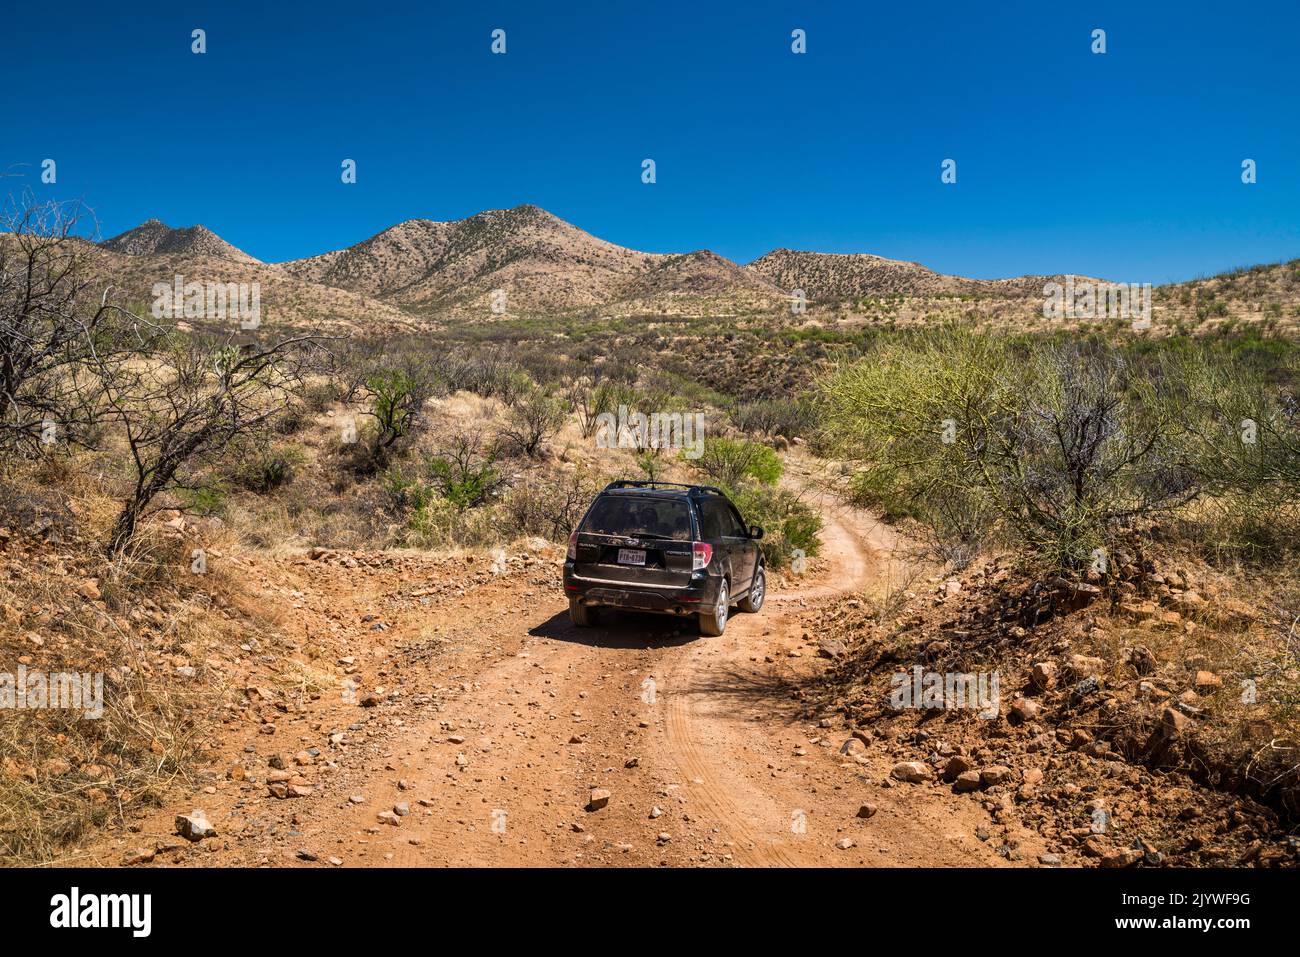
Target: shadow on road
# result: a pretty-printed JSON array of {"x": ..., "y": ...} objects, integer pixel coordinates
[
  {"x": 742, "y": 687},
  {"x": 621, "y": 629}
]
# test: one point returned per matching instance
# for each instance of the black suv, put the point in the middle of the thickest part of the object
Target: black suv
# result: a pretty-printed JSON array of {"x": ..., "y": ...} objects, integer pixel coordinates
[{"x": 664, "y": 547}]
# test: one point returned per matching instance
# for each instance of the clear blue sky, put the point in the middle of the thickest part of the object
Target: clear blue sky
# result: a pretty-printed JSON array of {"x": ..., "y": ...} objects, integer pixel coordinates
[{"x": 1125, "y": 165}]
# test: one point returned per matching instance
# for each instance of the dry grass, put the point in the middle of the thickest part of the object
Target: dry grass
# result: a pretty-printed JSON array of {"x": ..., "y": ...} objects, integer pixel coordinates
[{"x": 62, "y": 772}]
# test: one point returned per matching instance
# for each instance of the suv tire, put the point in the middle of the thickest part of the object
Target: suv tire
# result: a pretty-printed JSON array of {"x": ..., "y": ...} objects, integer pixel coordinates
[
  {"x": 714, "y": 621},
  {"x": 581, "y": 615}
]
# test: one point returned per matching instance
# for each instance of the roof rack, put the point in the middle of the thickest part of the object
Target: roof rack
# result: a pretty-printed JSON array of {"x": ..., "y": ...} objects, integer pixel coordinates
[{"x": 690, "y": 489}]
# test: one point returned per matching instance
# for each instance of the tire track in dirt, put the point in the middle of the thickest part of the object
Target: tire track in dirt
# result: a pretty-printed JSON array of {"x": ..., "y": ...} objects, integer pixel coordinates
[
  {"x": 696, "y": 726},
  {"x": 728, "y": 713}
]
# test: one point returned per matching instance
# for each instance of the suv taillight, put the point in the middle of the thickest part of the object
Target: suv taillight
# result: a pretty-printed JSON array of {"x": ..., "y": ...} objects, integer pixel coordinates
[
  {"x": 573, "y": 546},
  {"x": 701, "y": 555}
]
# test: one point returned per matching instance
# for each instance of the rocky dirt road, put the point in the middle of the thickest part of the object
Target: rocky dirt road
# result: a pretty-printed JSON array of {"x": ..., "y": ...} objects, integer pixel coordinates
[{"x": 482, "y": 723}]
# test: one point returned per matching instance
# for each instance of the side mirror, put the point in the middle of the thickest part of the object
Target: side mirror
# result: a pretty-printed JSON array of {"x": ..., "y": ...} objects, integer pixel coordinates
[{"x": 755, "y": 531}]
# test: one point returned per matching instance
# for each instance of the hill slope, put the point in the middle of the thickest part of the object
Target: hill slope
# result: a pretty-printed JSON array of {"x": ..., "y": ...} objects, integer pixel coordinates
[
  {"x": 152, "y": 238},
  {"x": 541, "y": 261},
  {"x": 838, "y": 277}
]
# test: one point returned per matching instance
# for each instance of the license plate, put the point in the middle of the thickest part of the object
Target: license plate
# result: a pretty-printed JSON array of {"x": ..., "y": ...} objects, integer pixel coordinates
[{"x": 631, "y": 556}]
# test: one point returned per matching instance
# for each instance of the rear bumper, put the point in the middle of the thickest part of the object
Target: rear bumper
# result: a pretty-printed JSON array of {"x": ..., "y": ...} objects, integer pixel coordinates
[{"x": 594, "y": 591}]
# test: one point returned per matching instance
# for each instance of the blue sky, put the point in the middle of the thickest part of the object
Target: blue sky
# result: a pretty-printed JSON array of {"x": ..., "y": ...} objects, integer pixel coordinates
[{"x": 1125, "y": 165}]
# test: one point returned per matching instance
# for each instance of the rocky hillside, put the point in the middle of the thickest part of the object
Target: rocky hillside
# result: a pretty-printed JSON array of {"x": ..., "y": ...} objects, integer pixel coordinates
[
  {"x": 1125, "y": 738},
  {"x": 832, "y": 277},
  {"x": 286, "y": 302},
  {"x": 153, "y": 238},
  {"x": 540, "y": 260}
]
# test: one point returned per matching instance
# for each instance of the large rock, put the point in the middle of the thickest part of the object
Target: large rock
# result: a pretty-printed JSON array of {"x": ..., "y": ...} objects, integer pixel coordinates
[
  {"x": 1175, "y": 723},
  {"x": 831, "y": 648},
  {"x": 1043, "y": 675},
  {"x": 1124, "y": 857},
  {"x": 1207, "y": 681},
  {"x": 1025, "y": 709},
  {"x": 913, "y": 771},
  {"x": 957, "y": 765},
  {"x": 194, "y": 826},
  {"x": 995, "y": 774},
  {"x": 1083, "y": 666}
]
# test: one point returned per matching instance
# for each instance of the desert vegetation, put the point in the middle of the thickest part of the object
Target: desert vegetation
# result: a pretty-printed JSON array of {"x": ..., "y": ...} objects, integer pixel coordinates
[
  {"x": 1135, "y": 502},
  {"x": 1063, "y": 446}
]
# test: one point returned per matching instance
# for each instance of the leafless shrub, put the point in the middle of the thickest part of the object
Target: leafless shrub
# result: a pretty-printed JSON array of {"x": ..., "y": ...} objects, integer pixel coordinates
[
  {"x": 181, "y": 401},
  {"x": 549, "y": 510},
  {"x": 533, "y": 421},
  {"x": 49, "y": 316}
]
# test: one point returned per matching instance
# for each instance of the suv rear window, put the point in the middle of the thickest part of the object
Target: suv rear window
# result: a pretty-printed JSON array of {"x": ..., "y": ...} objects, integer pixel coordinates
[{"x": 634, "y": 516}]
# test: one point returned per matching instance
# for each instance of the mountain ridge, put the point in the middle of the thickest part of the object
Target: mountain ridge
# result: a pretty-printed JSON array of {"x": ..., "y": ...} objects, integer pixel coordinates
[{"x": 544, "y": 263}]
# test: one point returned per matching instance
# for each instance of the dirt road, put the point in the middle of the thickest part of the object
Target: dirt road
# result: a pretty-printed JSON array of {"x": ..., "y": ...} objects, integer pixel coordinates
[{"x": 492, "y": 718}]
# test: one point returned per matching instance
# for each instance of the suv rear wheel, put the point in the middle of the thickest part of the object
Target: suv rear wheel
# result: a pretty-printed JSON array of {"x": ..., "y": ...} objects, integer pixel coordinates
[
  {"x": 581, "y": 615},
  {"x": 714, "y": 621}
]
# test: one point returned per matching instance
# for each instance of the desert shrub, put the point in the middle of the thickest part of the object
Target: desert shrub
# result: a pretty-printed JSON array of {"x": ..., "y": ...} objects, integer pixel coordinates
[
  {"x": 550, "y": 509},
  {"x": 728, "y": 462},
  {"x": 319, "y": 394},
  {"x": 533, "y": 420},
  {"x": 1052, "y": 444},
  {"x": 462, "y": 472},
  {"x": 53, "y": 324},
  {"x": 182, "y": 402},
  {"x": 206, "y": 499},
  {"x": 1238, "y": 421},
  {"x": 394, "y": 399},
  {"x": 442, "y": 498},
  {"x": 1240, "y": 417},
  {"x": 652, "y": 463},
  {"x": 267, "y": 469},
  {"x": 393, "y": 406},
  {"x": 464, "y": 477},
  {"x": 788, "y": 522},
  {"x": 786, "y": 417},
  {"x": 591, "y": 400},
  {"x": 488, "y": 372}
]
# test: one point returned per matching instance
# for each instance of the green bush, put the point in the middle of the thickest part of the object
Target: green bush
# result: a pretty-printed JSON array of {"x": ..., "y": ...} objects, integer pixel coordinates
[
  {"x": 788, "y": 522},
  {"x": 533, "y": 420},
  {"x": 463, "y": 475},
  {"x": 1052, "y": 444},
  {"x": 269, "y": 469},
  {"x": 1059, "y": 444},
  {"x": 728, "y": 462}
]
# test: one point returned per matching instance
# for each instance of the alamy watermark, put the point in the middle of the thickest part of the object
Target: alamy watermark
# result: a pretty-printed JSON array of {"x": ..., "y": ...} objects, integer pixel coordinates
[
  {"x": 948, "y": 690},
  {"x": 74, "y": 909},
  {"x": 1098, "y": 300},
  {"x": 33, "y": 690},
  {"x": 657, "y": 430},
  {"x": 209, "y": 300}
]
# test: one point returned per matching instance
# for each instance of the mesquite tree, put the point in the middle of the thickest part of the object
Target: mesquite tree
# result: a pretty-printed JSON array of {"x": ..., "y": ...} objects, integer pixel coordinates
[
  {"x": 51, "y": 313},
  {"x": 182, "y": 400}
]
